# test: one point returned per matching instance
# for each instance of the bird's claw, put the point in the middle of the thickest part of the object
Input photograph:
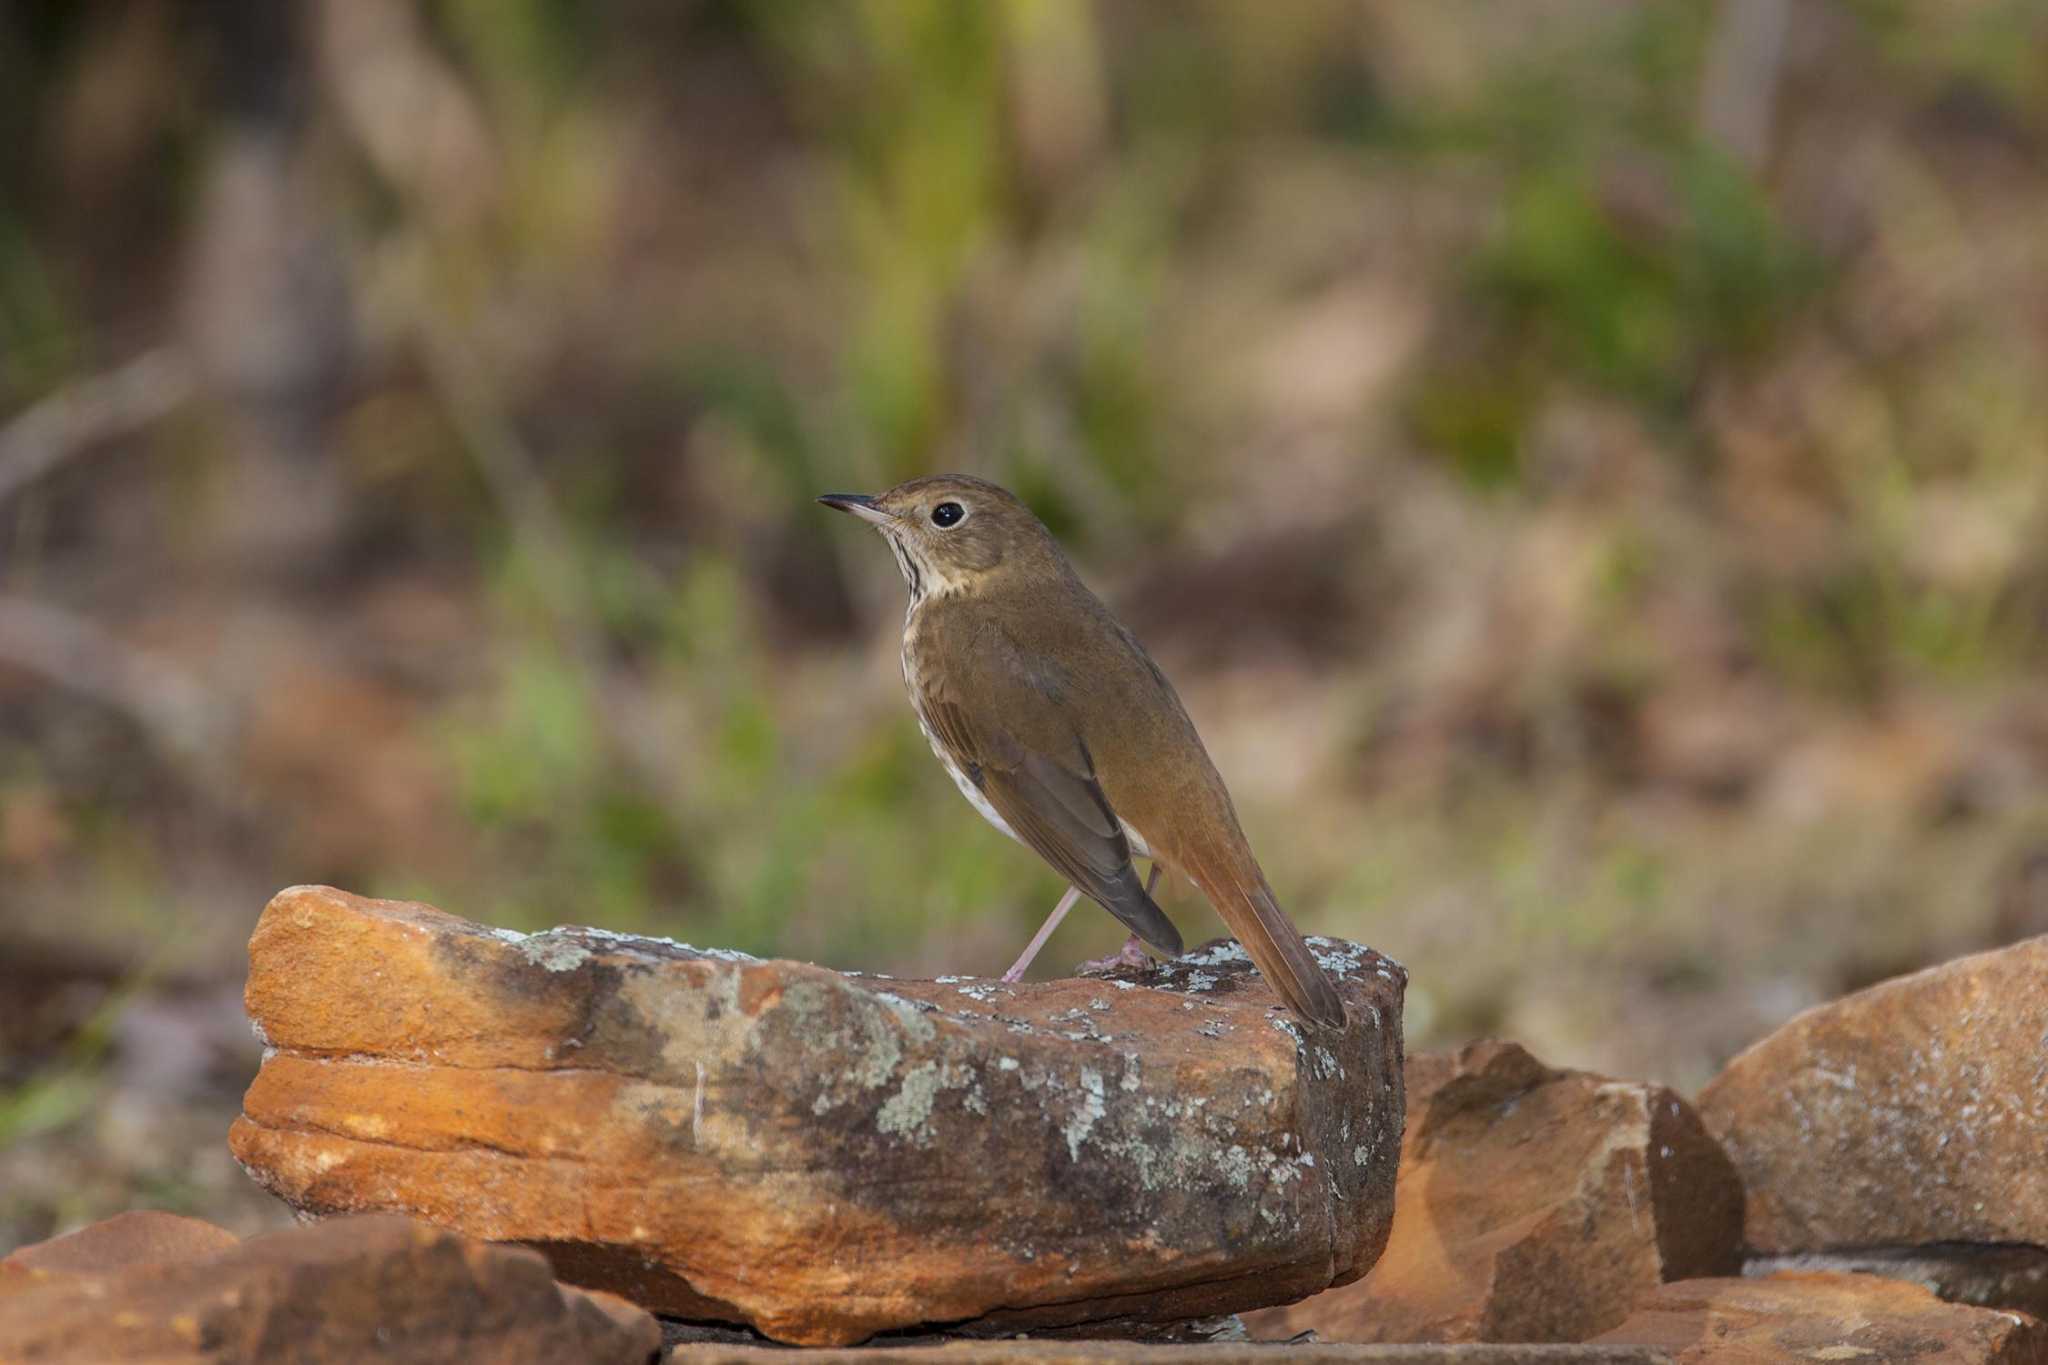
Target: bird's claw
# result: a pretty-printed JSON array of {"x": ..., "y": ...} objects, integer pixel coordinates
[{"x": 1131, "y": 955}]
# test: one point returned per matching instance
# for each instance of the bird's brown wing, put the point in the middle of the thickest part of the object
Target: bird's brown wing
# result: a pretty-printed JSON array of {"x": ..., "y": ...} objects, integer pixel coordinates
[{"x": 1053, "y": 802}]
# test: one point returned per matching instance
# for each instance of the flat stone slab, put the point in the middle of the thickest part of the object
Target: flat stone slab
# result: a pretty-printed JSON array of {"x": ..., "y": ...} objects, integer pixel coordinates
[
  {"x": 1958, "y": 1272},
  {"x": 821, "y": 1155},
  {"x": 1137, "y": 1353},
  {"x": 1798, "y": 1319}
]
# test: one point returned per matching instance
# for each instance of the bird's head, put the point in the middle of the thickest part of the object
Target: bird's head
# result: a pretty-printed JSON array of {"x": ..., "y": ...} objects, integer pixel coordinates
[{"x": 954, "y": 533}]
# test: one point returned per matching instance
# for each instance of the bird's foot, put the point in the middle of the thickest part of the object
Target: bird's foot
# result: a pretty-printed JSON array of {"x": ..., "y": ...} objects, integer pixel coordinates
[{"x": 1132, "y": 954}]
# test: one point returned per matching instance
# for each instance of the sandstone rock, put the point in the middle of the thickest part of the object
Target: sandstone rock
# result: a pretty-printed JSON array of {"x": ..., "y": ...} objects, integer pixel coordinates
[
  {"x": 818, "y": 1155},
  {"x": 143, "y": 1237},
  {"x": 377, "y": 1288},
  {"x": 1138, "y": 1353},
  {"x": 1802, "y": 1318},
  {"x": 1533, "y": 1205},
  {"x": 1914, "y": 1111}
]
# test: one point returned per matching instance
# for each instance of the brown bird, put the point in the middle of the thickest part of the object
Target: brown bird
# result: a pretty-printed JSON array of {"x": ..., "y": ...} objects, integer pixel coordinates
[{"x": 1058, "y": 727}]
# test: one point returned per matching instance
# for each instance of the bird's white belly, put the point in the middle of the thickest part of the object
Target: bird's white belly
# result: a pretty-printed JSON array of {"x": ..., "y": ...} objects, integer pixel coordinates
[
  {"x": 953, "y": 770},
  {"x": 962, "y": 781}
]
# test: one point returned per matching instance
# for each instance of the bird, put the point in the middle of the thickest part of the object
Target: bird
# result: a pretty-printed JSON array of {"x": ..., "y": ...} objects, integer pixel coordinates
[{"x": 1059, "y": 728}]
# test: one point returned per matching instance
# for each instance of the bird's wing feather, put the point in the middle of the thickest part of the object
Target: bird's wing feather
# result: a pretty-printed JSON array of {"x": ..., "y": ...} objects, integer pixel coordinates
[{"x": 1037, "y": 773}]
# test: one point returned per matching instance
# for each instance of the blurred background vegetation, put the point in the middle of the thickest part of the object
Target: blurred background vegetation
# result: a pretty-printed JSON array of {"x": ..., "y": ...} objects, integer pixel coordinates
[{"x": 1585, "y": 464}]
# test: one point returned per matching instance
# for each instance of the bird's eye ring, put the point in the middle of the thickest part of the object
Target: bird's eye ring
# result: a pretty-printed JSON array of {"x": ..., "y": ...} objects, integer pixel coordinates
[{"x": 947, "y": 514}]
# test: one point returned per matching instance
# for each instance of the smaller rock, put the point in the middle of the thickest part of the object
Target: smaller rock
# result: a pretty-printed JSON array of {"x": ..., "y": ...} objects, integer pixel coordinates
[
  {"x": 1533, "y": 1204},
  {"x": 140, "y": 1238},
  {"x": 612, "y": 1324},
  {"x": 350, "y": 1289},
  {"x": 1905, "y": 1114},
  {"x": 1799, "y": 1318}
]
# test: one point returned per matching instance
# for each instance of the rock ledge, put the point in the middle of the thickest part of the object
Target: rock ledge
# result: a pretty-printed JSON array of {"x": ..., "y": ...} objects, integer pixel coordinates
[{"x": 821, "y": 1155}]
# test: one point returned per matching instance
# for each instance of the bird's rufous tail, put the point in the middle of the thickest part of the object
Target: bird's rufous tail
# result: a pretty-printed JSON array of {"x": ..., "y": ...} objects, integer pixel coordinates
[{"x": 1247, "y": 904}]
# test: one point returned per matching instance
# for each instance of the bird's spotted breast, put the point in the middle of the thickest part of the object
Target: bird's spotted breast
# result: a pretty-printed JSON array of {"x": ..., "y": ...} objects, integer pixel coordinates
[{"x": 913, "y": 684}]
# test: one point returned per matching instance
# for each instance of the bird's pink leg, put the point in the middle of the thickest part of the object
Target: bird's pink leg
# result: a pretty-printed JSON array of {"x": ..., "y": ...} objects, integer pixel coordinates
[{"x": 1052, "y": 922}]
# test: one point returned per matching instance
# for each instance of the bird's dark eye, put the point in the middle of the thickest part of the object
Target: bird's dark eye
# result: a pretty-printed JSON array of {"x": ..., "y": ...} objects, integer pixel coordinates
[{"x": 947, "y": 514}]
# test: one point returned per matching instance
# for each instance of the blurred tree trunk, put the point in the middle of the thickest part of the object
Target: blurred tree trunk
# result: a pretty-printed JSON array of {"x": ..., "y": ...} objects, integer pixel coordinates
[
  {"x": 1739, "y": 88},
  {"x": 267, "y": 294}
]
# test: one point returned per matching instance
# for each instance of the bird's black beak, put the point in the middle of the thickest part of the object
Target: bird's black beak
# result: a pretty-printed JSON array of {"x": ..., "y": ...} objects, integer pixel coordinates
[{"x": 860, "y": 504}]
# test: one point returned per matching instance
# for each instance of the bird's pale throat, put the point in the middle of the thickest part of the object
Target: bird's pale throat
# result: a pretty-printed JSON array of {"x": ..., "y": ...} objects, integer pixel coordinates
[
  {"x": 911, "y": 573},
  {"x": 928, "y": 578}
]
